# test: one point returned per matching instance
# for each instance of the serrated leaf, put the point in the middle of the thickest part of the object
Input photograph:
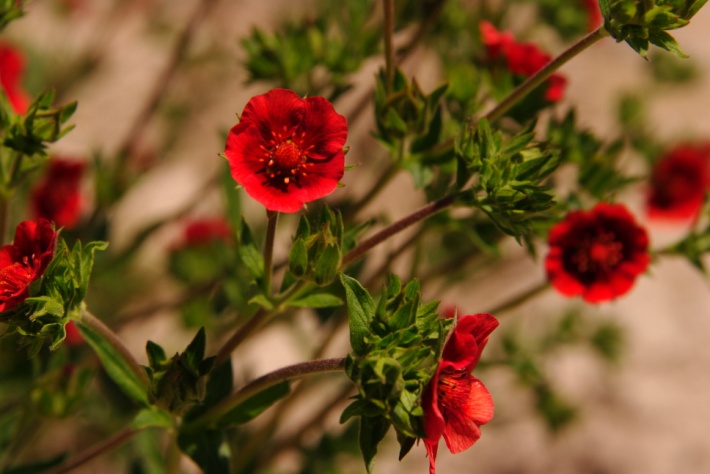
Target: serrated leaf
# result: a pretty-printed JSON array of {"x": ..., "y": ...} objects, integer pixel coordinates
[
  {"x": 361, "y": 310},
  {"x": 115, "y": 365}
]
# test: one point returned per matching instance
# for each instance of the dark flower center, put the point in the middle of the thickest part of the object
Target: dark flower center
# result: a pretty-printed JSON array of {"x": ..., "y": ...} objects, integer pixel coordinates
[
  {"x": 453, "y": 389},
  {"x": 286, "y": 162},
  {"x": 600, "y": 252}
]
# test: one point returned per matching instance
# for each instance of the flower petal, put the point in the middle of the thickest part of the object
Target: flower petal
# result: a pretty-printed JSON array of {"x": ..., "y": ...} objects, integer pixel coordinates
[
  {"x": 324, "y": 131},
  {"x": 275, "y": 114},
  {"x": 462, "y": 428}
]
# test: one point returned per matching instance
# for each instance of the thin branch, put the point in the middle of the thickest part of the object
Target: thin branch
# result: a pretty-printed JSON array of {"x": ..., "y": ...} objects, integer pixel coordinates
[
  {"x": 272, "y": 218},
  {"x": 393, "y": 229},
  {"x": 161, "y": 84},
  {"x": 313, "y": 367},
  {"x": 94, "y": 451},
  {"x": 520, "y": 299}
]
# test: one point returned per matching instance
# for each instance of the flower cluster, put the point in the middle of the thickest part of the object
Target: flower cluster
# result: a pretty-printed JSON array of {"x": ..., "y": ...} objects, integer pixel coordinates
[
  {"x": 678, "y": 183},
  {"x": 522, "y": 59},
  {"x": 287, "y": 151},
  {"x": 56, "y": 196},
  {"x": 455, "y": 402},
  {"x": 25, "y": 260},
  {"x": 204, "y": 231},
  {"x": 597, "y": 254}
]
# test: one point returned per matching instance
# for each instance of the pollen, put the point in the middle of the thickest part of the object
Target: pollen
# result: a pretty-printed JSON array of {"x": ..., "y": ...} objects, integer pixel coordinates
[{"x": 288, "y": 156}]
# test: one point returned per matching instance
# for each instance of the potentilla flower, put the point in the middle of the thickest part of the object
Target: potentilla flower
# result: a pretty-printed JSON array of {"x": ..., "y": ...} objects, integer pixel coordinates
[
  {"x": 57, "y": 196},
  {"x": 204, "y": 231},
  {"x": 455, "y": 402},
  {"x": 25, "y": 260},
  {"x": 287, "y": 151},
  {"x": 74, "y": 337},
  {"x": 597, "y": 254},
  {"x": 12, "y": 65},
  {"x": 522, "y": 59},
  {"x": 594, "y": 14},
  {"x": 679, "y": 181}
]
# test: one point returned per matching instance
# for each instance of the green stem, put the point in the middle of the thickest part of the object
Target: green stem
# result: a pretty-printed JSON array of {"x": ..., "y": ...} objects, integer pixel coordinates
[
  {"x": 94, "y": 451},
  {"x": 388, "y": 6},
  {"x": 112, "y": 338},
  {"x": 4, "y": 211},
  {"x": 393, "y": 229},
  {"x": 520, "y": 299},
  {"x": 540, "y": 76},
  {"x": 272, "y": 218},
  {"x": 314, "y": 367}
]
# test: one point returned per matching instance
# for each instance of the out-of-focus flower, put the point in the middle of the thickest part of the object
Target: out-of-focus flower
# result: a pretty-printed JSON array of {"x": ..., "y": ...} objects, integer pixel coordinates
[
  {"x": 205, "y": 231},
  {"x": 455, "y": 402},
  {"x": 522, "y": 59},
  {"x": 74, "y": 337},
  {"x": 12, "y": 65},
  {"x": 57, "y": 197},
  {"x": 597, "y": 254},
  {"x": 25, "y": 260},
  {"x": 594, "y": 14},
  {"x": 679, "y": 181},
  {"x": 287, "y": 151}
]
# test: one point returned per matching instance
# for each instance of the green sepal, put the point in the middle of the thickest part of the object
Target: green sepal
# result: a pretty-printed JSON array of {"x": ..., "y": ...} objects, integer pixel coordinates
[
  {"x": 298, "y": 257},
  {"x": 372, "y": 431},
  {"x": 326, "y": 267}
]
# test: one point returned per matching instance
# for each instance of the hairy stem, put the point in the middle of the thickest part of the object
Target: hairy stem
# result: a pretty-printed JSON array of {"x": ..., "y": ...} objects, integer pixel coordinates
[
  {"x": 540, "y": 76},
  {"x": 290, "y": 372},
  {"x": 94, "y": 451},
  {"x": 272, "y": 218},
  {"x": 520, "y": 299},
  {"x": 112, "y": 338},
  {"x": 393, "y": 229},
  {"x": 388, "y": 6}
]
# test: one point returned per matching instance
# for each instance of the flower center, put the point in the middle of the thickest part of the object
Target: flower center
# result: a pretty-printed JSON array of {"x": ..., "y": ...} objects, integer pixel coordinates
[
  {"x": 454, "y": 387},
  {"x": 600, "y": 252},
  {"x": 288, "y": 155}
]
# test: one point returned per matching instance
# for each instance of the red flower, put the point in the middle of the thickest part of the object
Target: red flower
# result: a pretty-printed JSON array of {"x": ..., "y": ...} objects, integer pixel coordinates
[
  {"x": 25, "y": 260},
  {"x": 522, "y": 59},
  {"x": 56, "y": 197},
  {"x": 12, "y": 64},
  {"x": 287, "y": 151},
  {"x": 204, "y": 231},
  {"x": 594, "y": 14},
  {"x": 679, "y": 182},
  {"x": 597, "y": 254},
  {"x": 74, "y": 337},
  {"x": 455, "y": 402}
]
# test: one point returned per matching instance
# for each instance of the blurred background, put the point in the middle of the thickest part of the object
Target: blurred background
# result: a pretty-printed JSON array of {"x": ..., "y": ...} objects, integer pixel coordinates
[{"x": 644, "y": 412}]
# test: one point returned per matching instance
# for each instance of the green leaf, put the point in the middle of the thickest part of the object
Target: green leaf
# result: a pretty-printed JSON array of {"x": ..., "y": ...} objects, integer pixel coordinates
[
  {"x": 195, "y": 351},
  {"x": 205, "y": 448},
  {"x": 253, "y": 406},
  {"x": 115, "y": 365},
  {"x": 317, "y": 300},
  {"x": 372, "y": 431},
  {"x": 249, "y": 253},
  {"x": 361, "y": 310},
  {"x": 152, "y": 417}
]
